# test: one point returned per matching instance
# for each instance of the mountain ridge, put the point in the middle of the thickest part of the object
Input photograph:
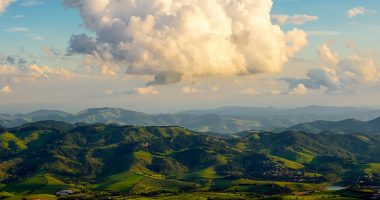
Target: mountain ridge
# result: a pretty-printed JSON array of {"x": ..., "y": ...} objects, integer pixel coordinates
[
  {"x": 226, "y": 120},
  {"x": 143, "y": 160},
  {"x": 347, "y": 126}
]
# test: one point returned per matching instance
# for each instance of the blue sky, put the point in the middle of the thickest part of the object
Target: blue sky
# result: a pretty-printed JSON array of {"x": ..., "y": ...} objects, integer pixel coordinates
[
  {"x": 49, "y": 20},
  {"x": 42, "y": 65}
]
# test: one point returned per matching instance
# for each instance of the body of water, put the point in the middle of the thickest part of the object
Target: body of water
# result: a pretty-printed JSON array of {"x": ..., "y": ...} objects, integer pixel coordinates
[{"x": 335, "y": 188}]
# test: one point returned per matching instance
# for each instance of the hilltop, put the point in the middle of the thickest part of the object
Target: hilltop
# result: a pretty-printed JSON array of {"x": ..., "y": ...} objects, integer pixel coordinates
[{"x": 48, "y": 156}]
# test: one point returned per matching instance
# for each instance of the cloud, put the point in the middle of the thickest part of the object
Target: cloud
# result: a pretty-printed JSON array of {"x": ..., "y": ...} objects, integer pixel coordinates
[
  {"x": 46, "y": 72},
  {"x": 215, "y": 89},
  {"x": 29, "y": 3},
  {"x": 275, "y": 92},
  {"x": 191, "y": 90},
  {"x": 329, "y": 59},
  {"x": 18, "y": 29},
  {"x": 356, "y": 11},
  {"x": 4, "y": 4},
  {"x": 142, "y": 91},
  {"x": 295, "y": 19},
  {"x": 250, "y": 91},
  {"x": 299, "y": 90},
  {"x": 11, "y": 60},
  {"x": 6, "y": 69},
  {"x": 308, "y": 83},
  {"x": 82, "y": 44},
  {"x": 175, "y": 40},
  {"x": 33, "y": 72},
  {"x": 357, "y": 69},
  {"x": 146, "y": 91},
  {"x": 37, "y": 38},
  {"x": 50, "y": 52},
  {"x": 338, "y": 74},
  {"x": 6, "y": 90},
  {"x": 18, "y": 16}
]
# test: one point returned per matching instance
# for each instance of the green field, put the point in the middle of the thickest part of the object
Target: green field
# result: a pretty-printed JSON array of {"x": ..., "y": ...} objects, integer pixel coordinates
[
  {"x": 33, "y": 197},
  {"x": 304, "y": 156},
  {"x": 9, "y": 141},
  {"x": 38, "y": 184},
  {"x": 198, "y": 196},
  {"x": 120, "y": 182},
  {"x": 288, "y": 163},
  {"x": 373, "y": 168},
  {"x": 148, "y": 185},
  {"x": 208, "y": 173}
]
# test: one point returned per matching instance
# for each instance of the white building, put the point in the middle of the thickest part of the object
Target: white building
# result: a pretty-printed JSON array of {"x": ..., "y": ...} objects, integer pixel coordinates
[{"x": 64, "y": 192}]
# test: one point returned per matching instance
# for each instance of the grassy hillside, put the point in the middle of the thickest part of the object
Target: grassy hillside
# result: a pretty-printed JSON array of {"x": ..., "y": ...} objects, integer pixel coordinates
[
  {"x": 46, "y": 157},
  {"x": 39, "y": 183}
]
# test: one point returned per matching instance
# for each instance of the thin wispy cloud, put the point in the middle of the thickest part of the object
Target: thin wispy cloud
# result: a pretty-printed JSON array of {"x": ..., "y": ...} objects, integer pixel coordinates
[
  {"x": 356, "y": 11},
  {"x": 18, "y": 16},
  {"x": 191, "y": 90},
  {"x": 295, "y": 19},
  {"x": 29, "y": 3},
  {"x": 18, "y": 29},
  {"x": 143, "y": 91},
  {"x": 250, "y": 91}
]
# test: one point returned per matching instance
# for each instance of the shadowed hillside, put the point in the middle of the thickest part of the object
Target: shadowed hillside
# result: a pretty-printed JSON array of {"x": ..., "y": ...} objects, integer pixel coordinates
[{"x": 47, "y": 156}]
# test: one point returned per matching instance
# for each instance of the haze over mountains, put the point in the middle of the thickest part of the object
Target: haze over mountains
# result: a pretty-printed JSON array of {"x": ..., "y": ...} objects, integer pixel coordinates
[
  {"x": 348, "y": 126},
  {"x": 225, "y": 120}
]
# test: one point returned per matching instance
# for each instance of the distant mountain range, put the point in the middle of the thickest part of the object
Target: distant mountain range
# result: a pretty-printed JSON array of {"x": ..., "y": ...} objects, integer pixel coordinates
[
  {"x": 310, "y": 112},
  {"x": 225, "y": 120},
  {"x": 348, "y": 126}
]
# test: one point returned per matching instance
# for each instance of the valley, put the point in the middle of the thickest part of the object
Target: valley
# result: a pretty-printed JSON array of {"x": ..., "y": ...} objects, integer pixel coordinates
[{"x": 161, "y": 162}]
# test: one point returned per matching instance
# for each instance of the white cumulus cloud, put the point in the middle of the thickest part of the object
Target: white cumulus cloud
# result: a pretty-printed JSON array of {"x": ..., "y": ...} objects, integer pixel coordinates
[
  {"x": 338, "y": 74},
  {"x": 299, "y": 90},
  {"x": 175, "y": 40},
  {"x": 4, "y": 4}
]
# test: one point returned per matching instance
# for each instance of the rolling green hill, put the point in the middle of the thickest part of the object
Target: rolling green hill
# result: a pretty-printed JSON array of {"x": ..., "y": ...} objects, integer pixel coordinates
[{"x": 48, "y": 156}]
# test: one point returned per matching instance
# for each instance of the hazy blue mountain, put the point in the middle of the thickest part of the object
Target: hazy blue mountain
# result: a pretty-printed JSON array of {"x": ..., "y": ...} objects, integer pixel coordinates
[
  {"x": 44, "y": 114},
  {"x": 7, "y": 120},
  {"x": 226, "y": 120},
  {"x": 348, "y": 126},
  {"x": 111, "y": 115},
  {"x": 236, "y": 111},
  {"x": 375, "y": 123},
  {"x": 313, "y": 111},
  {"x": 204, "y": 123}
]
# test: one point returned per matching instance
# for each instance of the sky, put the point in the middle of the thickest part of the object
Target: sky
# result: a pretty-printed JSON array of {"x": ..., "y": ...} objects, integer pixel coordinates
[{"x": 160, "y": 56}]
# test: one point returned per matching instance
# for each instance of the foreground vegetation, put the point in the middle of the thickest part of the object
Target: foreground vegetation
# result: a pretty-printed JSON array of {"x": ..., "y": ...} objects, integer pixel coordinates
[{"x": 102, "y": 161}]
